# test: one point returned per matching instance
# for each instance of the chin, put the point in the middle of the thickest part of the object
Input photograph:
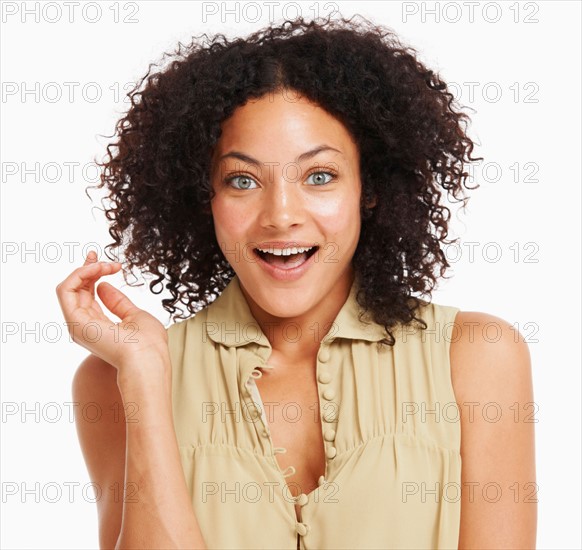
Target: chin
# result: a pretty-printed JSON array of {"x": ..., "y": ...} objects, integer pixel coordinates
[{"x": 282, "y": 302}]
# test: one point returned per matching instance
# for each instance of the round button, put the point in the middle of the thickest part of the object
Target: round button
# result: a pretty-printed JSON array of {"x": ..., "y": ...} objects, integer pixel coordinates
[
  {"x": 331, "y": 452},
  {"x": 329, "y": 435},
  {"x": 302, "y": 499},
  {"x": 253, "y": 411},
  {"x": 302, "y": 528},
  {"x": 324, "y": 355},
  {"x": 329, "y": 394},
  {"x": 321, "y": 480},
  {"x": 265, "y": 433},
  {"x": 324, "y": 377},
  {"x": 329, "y": 415}
]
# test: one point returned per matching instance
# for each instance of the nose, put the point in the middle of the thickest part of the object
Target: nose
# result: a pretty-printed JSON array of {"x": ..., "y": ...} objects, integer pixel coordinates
[{"x": 282, "y": 205}]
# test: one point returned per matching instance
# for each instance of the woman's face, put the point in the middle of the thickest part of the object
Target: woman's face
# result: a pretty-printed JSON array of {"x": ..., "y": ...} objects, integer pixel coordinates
[{"x": 286, "y": 173}]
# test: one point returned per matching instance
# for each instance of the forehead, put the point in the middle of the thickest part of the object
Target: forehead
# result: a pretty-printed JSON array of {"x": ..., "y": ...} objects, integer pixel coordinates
[{"x": 283, "y": 122}]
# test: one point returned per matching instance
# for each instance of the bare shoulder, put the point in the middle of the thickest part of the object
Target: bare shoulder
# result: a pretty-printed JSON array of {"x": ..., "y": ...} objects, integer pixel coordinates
[
  {"x": 100, "y": 423},
  {"x": 492, "y": 380},
  {"x": 488, "y": 354}
]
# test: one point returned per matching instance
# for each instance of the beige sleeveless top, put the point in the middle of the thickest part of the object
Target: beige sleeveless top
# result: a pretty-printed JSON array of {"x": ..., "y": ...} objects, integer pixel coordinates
[{"x": 389, "y": 421}]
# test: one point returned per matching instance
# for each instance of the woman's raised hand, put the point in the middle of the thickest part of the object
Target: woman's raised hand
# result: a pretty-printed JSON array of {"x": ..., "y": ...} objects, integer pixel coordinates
[{"x": 133, "y": 339}]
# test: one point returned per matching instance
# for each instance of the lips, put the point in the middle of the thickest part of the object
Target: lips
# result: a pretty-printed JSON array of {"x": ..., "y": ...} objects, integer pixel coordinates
[
  {"x": 289, "y": 261},
  {"x": 285, "y": 244},
  {"x": 286, "y": 269}
]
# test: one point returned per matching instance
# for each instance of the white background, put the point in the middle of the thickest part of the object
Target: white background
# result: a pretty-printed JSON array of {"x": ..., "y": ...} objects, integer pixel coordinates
[{"x": 533, "y": 44}]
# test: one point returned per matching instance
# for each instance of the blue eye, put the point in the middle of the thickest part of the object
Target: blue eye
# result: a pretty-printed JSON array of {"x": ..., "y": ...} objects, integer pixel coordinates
[
  {"x": 320, "y": 182},
  {"x": 247, "y": 180}
]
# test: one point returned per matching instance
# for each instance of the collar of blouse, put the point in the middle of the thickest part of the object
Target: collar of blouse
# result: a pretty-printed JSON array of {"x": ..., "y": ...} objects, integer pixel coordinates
[{"x": 229, "y": 321}]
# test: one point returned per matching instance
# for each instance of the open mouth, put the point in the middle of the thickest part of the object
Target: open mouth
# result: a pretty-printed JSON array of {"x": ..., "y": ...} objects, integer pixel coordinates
[{"x": 287, "y": 259}]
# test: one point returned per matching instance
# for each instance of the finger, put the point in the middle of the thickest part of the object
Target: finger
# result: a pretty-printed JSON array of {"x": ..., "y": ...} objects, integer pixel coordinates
[
  {"x": 87, "y": 274},
  {"x": 70, "y": 290},
  {"x": 91, "y": 258},
  {"x": 115, "y": 301}
]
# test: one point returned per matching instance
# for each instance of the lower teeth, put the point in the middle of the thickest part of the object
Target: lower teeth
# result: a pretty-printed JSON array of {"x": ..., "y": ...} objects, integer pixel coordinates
[{"x": 291, "y": 260}]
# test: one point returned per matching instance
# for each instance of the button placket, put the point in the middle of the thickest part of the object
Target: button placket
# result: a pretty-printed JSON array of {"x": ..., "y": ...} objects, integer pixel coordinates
[
  {"x": 329, "y": 408},
  {"x": 256, "y": 400},
  {"x": 255, "y": 408}
]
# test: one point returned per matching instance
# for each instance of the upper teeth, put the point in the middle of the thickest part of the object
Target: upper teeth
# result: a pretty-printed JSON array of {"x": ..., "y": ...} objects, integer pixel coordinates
[{"x": 285, "y": 251}]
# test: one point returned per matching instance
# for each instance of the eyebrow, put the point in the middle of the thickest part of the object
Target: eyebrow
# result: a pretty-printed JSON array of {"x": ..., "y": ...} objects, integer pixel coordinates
[{"x": 301, "y": 158}]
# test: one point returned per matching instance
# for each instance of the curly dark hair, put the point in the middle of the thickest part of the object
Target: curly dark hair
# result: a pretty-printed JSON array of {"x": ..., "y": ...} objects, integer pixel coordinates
[{"x": 410, "y": 132}]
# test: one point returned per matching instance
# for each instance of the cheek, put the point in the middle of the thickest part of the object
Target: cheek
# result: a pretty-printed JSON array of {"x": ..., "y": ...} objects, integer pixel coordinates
[
  {"x": 339, "y": 216},
  {"x": 229, "y": 222}
]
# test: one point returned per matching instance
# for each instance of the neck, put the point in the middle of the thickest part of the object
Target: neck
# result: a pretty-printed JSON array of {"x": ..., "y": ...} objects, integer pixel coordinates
[{"x": 296, "y": 340}]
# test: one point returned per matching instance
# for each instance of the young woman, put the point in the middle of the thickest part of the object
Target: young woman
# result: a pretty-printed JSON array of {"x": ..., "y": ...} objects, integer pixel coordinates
[{"x": 288, "y": 187}]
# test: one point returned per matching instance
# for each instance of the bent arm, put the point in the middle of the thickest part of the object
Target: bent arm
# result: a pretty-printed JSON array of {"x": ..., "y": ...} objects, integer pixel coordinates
[
  {"x": 159, "y": 514},
  {"x": 132, "y": 456}
]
